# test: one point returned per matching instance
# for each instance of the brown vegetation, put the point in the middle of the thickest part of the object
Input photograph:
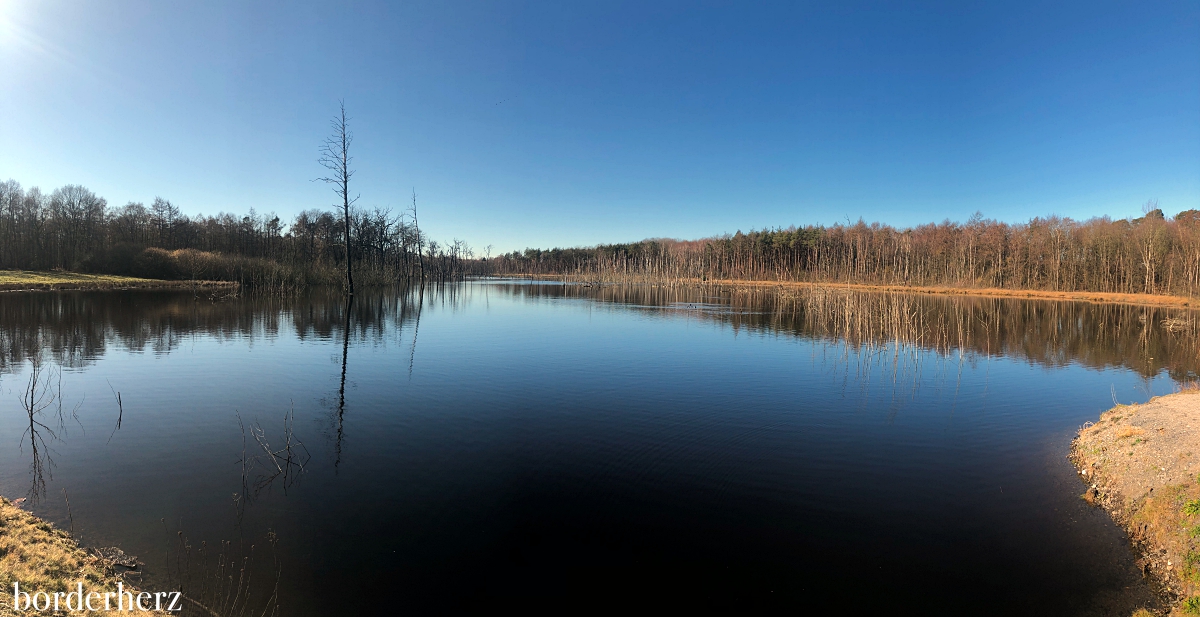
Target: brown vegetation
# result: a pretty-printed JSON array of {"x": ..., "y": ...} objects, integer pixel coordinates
[
  {"x": 1086, "y": 296},
  {"x": 76, "y": 230},
  {"x": 1150, "y": 255},
  {"x": 1140, "y": 462},
  {"x": 42, "y": 558}
]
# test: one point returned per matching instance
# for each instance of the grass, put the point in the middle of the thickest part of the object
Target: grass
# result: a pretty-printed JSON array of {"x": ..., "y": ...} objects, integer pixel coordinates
[
  {"x": 42, "y": 558},
  {"x": 1087, "y": 296},
  {"x": 21, "y": 280},
  {"x": 1130, "y": 431}
]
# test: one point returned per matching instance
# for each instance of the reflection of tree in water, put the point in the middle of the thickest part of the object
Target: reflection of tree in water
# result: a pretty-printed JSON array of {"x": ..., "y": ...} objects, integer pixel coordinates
[
  {"x": 1144, "y": 339},
  {"x": 341, "y": 404},
  {"x": 892, "y": 331},
  {"x": 42, "y": 403},
  {"x": 76, "y": 328},
  {"x": 362, "y": 323}
]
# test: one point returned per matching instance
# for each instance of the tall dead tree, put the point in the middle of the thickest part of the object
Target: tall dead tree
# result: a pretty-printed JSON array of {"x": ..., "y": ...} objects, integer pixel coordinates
[
  {"x": 335, "y": 156},
  {"x": 417, "y": 227}
]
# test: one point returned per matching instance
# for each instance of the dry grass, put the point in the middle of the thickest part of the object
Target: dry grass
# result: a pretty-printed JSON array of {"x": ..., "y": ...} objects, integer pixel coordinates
[
  {"x": 42, "y": 558},
  {"x": 1130, "y": 431},
  {"x": 24, "y": 280},
  {"x": 1086, "y": 296}
]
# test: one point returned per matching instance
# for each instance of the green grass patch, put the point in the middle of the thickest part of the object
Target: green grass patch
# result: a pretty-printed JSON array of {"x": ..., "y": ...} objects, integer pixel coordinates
[
  {"x": 34, "y": 278},
  {"x": 21, "y": 280}
]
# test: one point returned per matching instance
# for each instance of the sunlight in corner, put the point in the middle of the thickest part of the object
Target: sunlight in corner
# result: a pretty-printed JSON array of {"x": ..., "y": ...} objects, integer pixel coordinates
[{"x": 18, "y": 40}]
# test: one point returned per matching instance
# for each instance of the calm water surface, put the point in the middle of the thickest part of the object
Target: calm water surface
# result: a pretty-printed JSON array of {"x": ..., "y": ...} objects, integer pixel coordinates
[{"x": 505, "y": 443}]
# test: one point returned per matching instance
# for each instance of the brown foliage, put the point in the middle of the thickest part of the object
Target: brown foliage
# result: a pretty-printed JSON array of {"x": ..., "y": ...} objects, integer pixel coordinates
[
  {"x": 74, "y": 229},
  {"x": 1148, "y": 255}
]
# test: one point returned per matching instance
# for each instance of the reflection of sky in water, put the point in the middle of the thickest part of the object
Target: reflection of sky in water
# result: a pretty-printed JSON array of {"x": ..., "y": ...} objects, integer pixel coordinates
[{"x": 540, "y": 436}]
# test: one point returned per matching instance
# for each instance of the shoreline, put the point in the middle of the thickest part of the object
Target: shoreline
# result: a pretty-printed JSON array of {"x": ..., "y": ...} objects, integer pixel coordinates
[
  {"x": 1035, "y": 294},
  {"x": 1098, "y": 297},
  {"x": 1141, "y": 463},
  {"x": 42, "y": 558},
  {"x": 30, "y": 280}
]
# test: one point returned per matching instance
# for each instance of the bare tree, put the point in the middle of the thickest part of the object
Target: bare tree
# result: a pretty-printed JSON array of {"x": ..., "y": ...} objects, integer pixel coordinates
[
  {"x": 335, "y": 156},
  {"x": 1151, "y": 242},
  {"x": 417, "y": 227}
]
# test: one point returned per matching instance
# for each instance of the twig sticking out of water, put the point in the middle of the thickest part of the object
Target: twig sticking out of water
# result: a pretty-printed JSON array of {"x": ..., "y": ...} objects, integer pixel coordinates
[
  {"x": 120, "y": 412},
  {"x": 240, "y": 499},
  {"x": 286, "y": 462},
  {"x": 70, "y": 516},
  {"x": 219, "y": 585}
]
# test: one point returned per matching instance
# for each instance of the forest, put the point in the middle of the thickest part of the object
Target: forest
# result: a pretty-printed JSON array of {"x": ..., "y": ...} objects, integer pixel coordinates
[
  {"x": 74, "y": 229},
  {"x": 1151, "y": 254}
]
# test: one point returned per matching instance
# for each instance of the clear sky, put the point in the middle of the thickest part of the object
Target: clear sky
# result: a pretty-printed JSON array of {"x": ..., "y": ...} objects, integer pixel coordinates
[{"x": 571, "y": 123}]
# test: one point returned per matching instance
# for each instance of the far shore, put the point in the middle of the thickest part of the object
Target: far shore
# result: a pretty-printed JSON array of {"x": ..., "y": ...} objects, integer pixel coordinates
[
  {"x": 1081, "y": 296},
  {"x": 1141, "y": 464},
  {"x": 28, "y": 280},
  {"x": 1085, "y": 296}
]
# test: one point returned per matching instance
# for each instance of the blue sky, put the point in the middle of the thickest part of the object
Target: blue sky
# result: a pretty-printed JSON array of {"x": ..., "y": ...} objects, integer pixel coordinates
[{"x": 568, "y": 123}]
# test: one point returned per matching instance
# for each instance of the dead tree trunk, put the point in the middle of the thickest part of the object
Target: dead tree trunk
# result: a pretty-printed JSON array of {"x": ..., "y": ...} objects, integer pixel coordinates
[{"x": 335, "y": 156}]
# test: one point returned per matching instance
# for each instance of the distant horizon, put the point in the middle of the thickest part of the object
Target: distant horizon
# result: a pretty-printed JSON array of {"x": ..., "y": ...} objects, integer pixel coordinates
[{"x": 579, "y": 124}]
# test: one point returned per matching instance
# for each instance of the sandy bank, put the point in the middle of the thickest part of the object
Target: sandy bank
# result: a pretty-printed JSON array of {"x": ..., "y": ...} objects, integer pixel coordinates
[
  {"x": 1141, "y": 463},
  {"x": 25, "y": 280}
]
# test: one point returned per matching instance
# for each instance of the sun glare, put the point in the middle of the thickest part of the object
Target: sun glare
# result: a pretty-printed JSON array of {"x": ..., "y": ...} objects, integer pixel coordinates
[
  {"x": 9, "y": 32},
  {"x": 20, "y": 42}
]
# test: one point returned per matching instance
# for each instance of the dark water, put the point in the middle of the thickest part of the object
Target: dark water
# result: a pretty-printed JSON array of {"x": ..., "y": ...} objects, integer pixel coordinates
[{"x": 503, "y": 444}]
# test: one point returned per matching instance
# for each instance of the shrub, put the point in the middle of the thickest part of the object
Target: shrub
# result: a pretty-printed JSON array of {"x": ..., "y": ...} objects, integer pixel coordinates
[{"x": 155, "y": 263}]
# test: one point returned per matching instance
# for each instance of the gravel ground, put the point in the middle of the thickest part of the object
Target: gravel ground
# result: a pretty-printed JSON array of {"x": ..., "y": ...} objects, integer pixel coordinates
[{"x": 1141, "y": 463}]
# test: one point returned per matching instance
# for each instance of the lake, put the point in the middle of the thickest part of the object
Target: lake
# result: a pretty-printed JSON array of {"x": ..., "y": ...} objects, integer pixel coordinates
[{"x": 512, "y": 443}]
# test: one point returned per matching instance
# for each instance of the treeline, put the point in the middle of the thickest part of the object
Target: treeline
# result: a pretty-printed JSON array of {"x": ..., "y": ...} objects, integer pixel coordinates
[
  {"x": 1152, "y": 254},
  {"x": 74, "y": 229}
]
